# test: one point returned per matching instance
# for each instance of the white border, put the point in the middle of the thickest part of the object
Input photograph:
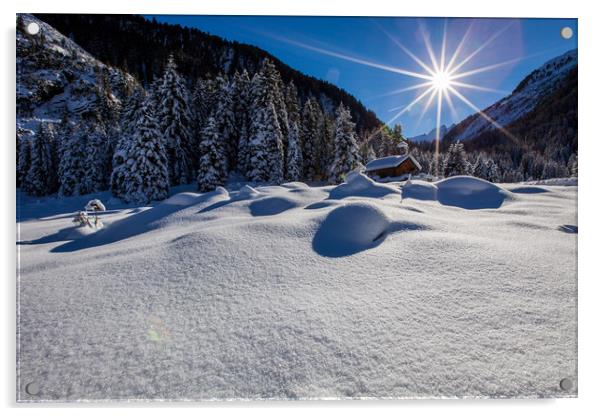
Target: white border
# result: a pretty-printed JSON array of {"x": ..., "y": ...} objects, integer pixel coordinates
[{"x": 590, "y": 128}]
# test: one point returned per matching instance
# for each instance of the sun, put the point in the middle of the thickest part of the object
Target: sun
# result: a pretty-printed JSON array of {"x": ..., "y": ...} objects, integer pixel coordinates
[{"x": 441, "y": 81}]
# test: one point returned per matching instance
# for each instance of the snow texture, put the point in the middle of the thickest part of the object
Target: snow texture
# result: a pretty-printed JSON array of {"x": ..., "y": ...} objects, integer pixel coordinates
[{"x": 292, "y": 292}]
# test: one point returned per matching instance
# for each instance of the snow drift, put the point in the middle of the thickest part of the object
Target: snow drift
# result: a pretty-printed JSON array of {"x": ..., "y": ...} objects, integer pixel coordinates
[
  {"x": 358, "y": 184},
  {"x": 198, "y": 297},
  {"x": 350, "y": 228},
  {"x": 465, "y": 192}
]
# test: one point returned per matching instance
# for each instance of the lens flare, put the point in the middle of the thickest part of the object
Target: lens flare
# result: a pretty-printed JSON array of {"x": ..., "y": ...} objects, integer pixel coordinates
[
  {"x": 441, "y": 81},
  {"x": 440, "y": 78}
]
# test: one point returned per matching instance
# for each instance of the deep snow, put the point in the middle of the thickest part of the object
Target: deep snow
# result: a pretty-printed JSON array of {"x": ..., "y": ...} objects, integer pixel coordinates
[{"x": 463, "y": 289}]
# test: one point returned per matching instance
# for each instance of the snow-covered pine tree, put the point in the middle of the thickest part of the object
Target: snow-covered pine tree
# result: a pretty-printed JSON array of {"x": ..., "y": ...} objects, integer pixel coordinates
[
  {"x": 276, "y": 90},
  {"x": 294, "y": 157},
  {"x": 204, "y": 100},
  {"x": 24, "y": 161},
  {"x": 120, "y": 157},
  {"x": 241, "y": 97},
  {"x": 72, "y": 167},
  {"x": 130, "y": 111},
  {"x": 292, "y": 103},
  {"x": 129, "y": 117},
  {"x": 225, "y": 123},
  {"x": 212, "y": 162},
  {"x": 97, "y": 162},
  {"x": 145, "y": 176},
  {"x": 493, "y": 172},
  {"x": 479, "y": 168},
  {"x": 175, "y": 123},
  {"x": 367, "y": 152},
  {"x": 346, "y": 151},
  {"x": 266, "y": 159},
  {"x": 41, "y": 176},
  {"x": 310, "y": 137},
  {"x": 326, "y": 144},
  {"x": 455, "y": 161}
]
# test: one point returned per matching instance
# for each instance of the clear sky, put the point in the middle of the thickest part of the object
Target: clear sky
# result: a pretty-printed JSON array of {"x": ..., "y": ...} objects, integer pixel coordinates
[{"x": 366, "y": 57}]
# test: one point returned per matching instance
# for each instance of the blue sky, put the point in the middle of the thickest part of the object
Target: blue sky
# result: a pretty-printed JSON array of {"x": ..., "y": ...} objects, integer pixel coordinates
[{"x": 348, "y": 51}]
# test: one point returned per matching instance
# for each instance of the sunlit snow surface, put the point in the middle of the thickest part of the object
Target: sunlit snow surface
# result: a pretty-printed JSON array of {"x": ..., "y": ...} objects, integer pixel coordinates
[{"x": 302, "y": 292}]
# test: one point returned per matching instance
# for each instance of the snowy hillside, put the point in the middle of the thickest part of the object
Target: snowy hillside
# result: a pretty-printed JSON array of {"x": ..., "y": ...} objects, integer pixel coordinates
[
  {"x": 465, "y": 288},
  {"x": 540, "y": 83},
  {"x": 56, "y": 78}
]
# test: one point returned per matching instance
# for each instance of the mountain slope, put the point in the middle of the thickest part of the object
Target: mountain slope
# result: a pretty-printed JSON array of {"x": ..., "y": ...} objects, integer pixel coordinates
[
  {"x": 197, "y": 54},
  {"x": 539, "y": 84},
  {"x": 57, "y": 78},
  {"x": 540, "y": 114}
]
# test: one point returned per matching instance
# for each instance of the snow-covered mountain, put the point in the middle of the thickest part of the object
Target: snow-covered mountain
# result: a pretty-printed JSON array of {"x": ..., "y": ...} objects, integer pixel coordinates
[
  {"x": 431, "y": 135},
  {"x": 57, "y": 78},
  {"x": 539, "y": 84}
]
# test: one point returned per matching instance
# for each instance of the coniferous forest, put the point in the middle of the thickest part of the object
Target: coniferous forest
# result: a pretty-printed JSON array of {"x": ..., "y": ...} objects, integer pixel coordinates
[{"x": 176, "y": 106}]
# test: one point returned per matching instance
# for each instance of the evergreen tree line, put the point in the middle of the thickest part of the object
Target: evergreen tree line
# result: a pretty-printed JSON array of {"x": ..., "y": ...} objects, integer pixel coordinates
[
  {"x": 168, "y": 136},
  {"x": 199, "y": 54},
  {"x": 494, "y": 166}
]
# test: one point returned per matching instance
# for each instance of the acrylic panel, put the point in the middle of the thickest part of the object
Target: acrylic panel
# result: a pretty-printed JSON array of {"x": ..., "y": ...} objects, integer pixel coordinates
[{"x": 281, "y": 207}]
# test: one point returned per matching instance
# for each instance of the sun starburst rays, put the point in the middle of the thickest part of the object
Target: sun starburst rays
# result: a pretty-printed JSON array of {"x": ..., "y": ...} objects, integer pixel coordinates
[{"x": 440, "y": 80}]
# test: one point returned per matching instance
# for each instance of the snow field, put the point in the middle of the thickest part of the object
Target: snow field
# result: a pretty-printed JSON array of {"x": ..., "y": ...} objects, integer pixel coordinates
[{"x": 302, "y": 292}]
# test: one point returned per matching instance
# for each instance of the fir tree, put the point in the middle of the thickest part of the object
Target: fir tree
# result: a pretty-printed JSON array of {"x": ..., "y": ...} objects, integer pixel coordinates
[
  {"x": 310, "y": 137},
  {"x": 292, "y": 103},
  {"x": 241, "y": 104},
  {"x": 175, "y": 121},
  {"x": 24, "y": 162},
  {"x": 294, "y": 158},
  {"x": 479, "y": 168},
  {"x": 370, "y": 154},
  {"x": 326, "y": 144},
  {"x": 455, "y": 161},
  {"x": 120, "y": 157},
  {"x": 204, "y": 100},
  {"x": 73, "y": 161},
  {"x": 129, "y": 117},
  {"x": 276, "y": 90},
  {"x": 130, "y": 111},
  {"x": 493, "y": 172},
  {"x": 212, "y": 162},
  {"x": 97, "y": 162},
  {"x": 265, "y": 145},
  {"x": 145, "y": 176},
  {"x": 346, "y": 151},
  {"x": 41, "y": 176},
  {"x": 225, "y": 123}
]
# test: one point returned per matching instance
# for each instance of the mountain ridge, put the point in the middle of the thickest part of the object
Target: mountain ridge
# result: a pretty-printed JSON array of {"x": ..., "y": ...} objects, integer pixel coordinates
[
  {"x": 540, "y": 83},
  {"x": 197, "y": 53}
]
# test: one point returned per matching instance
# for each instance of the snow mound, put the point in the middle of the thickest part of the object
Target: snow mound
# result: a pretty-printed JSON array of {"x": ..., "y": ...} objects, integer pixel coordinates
[
  {"x": 471, "y": 193},
  {"x": 424, "y": 191},
  {"x": 358, "y": 184},
  {"x": 272, "y": 206},
  {"x": 248, "y": 191},
  {"x": 295, "y": 185},
  {"x": 465, "y": 192},
  {"x": 182, "y": 199},
  {"x": 351, "y": 228}
]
